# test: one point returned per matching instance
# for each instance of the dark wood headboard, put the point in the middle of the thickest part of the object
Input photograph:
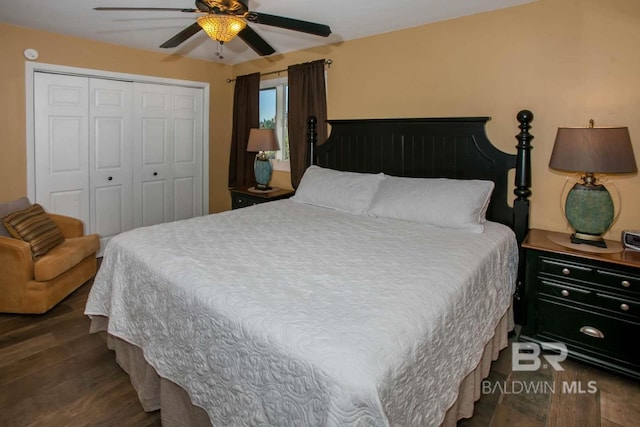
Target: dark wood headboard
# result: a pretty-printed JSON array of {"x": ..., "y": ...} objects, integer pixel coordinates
[{"x": 450, "y": 147}]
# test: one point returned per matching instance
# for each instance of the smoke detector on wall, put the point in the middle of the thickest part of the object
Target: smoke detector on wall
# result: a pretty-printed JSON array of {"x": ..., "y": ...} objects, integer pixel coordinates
[{"x": 31, "y": 54}]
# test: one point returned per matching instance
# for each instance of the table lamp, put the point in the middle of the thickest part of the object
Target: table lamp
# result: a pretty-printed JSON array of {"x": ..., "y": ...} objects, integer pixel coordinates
[
  {"x": 589, "y": 151},
  {"x": 261, "y": 141}
]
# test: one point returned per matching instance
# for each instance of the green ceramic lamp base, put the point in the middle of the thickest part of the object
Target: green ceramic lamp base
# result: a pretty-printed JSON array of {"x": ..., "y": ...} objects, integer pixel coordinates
[
  {"x": 262, "y": 169},
  {"x": 589, "y": 210}
]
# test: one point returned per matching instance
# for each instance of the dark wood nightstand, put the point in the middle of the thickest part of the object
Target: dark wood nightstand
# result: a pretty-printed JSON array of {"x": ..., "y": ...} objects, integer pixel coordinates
[
  {"x": 588, "y": 301},
  {"x": 241, "y": 197}
]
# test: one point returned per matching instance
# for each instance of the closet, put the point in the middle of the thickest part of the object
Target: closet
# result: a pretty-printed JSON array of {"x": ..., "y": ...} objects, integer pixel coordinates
[{"x": 117, "y": 154}]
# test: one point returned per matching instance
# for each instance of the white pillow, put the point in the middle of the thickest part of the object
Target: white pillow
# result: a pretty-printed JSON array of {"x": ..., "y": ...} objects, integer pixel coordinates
[
  {"x": 441, "y": 202},
  {"x": 344, "y": 191}
]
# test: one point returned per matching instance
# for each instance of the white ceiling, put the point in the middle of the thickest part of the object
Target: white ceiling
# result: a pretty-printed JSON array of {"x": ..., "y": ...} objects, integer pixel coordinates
[{"x": 348, "y": 19}]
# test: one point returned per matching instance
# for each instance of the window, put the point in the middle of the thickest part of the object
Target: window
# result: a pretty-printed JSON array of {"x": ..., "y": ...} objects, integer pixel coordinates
[{"x": 273, "y": 115}]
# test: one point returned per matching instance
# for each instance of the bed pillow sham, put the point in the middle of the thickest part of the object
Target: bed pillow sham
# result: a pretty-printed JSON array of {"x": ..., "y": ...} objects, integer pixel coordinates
[
  {"x": 440, "y": 202},
  {"x": 349, "y": 192}
]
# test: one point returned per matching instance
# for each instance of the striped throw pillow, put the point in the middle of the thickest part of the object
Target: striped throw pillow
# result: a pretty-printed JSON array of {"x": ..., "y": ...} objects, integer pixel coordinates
[{"x": 34, "y": 226}]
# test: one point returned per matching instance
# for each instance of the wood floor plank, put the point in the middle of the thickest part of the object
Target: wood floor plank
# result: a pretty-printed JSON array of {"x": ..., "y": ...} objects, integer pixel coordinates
[
  {"x": 528, "y": 393},
  {"x": 19, "y": 415},
  {"x": 43, "y": 380},
  {"x": 506, "y": 416},
  {"x": 32, "y": 364},
  {"x": 607, "y": 423},
  {"x": 621, "y": 409},
  {"x": 38, "y": 325},
  {"x": 575, "y": 398},
  {"x": 131, "y": 414},
  {"x": 26, "y": 348},
  {"x": 93, "y": 406}
]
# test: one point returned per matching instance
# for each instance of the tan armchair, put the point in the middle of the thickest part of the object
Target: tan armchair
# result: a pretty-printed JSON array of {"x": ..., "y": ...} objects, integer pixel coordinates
[{"x": 34, "y": 286}]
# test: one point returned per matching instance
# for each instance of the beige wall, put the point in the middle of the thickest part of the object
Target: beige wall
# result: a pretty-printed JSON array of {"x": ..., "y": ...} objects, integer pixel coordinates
[
  {"x": 75, "y": 52},
  {"x": 566, "y": 60}
]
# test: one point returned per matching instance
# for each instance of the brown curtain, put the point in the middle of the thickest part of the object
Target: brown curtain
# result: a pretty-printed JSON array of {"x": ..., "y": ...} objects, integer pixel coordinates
[
  {"x": 246, "y": 115},
  {"x": 307, "y": 97}
]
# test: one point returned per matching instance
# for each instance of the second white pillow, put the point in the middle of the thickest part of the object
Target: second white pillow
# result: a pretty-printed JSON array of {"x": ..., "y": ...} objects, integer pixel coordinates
[{"x": 441, "y": 202}]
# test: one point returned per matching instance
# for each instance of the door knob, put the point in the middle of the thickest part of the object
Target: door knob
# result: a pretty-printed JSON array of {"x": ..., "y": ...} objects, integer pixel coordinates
[
  {"x": 155, "y": 174},
  {"x": 110, "y": 178}
]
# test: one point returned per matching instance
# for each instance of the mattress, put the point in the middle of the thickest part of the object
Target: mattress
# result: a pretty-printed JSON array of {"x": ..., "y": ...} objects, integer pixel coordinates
[{"x": 291, "y": 314}]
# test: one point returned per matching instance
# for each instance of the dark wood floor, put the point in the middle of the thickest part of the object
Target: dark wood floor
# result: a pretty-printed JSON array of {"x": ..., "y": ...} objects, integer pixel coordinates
[{"x": 54, "y": 373}]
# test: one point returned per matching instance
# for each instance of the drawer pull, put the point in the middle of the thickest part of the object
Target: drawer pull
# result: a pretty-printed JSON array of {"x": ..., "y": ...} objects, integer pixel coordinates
[
  {"x": 566, "y": 271},
  {"x": 592, "y": 332},
  {"x": 624, "y": 307},
  {"x": 625, "y": 284},
  {"x": 565, "y": 293}
]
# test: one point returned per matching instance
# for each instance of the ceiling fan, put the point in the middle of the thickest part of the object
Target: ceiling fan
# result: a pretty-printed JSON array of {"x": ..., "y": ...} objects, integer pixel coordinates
[{"x": 222, "y": 20}]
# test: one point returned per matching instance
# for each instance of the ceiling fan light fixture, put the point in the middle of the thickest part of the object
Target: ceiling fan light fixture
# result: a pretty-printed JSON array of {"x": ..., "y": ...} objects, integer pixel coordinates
[{"x": 222, "y": 28}]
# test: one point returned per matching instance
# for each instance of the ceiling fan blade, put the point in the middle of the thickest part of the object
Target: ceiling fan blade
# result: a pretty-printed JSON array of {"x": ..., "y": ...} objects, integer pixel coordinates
[
  {"x": 290, "y": 24},
  {"x": 146, "y": 9},
  {"x": 182, "y": 35},
  {"x": 255, "y": 42}
]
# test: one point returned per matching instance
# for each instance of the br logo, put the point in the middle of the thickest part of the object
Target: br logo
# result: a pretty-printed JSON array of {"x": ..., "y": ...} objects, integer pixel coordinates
[{"x": 528, "y": 357}]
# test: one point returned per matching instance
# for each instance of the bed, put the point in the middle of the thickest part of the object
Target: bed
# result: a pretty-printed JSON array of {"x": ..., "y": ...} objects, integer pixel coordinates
[{"x": 357, "y": 302}]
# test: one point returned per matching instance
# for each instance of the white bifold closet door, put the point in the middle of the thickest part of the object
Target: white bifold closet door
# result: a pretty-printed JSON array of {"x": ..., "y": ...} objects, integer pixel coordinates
[
  {"x": 110, "y": 158},
  {"x": 117, "y": 154},
  {"x": 168, "y": 157},
  {"x": 61, "y": 132}
]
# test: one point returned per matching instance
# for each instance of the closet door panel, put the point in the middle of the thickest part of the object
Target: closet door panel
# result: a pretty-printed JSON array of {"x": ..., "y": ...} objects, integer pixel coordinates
[
  {"x": 153, "y": 199},
  {"x": 109, "y": 202},
  {"x": 110, "y": 158},
  {"x": 152, "y": 155},
  {"x": 187, "y": 166},
  {"x": 61, "y": 149},
  {"x": 183, "y": 189}
]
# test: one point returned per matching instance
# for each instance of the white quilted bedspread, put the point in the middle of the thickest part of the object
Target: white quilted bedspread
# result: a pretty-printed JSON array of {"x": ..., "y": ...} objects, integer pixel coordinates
[{"x": 288, "y": 314}]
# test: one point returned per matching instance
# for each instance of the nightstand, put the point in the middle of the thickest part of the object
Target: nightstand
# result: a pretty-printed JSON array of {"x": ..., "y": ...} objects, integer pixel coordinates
[
  {"x": 241, "y": 197},
  {"x": 588, "y": 301}
]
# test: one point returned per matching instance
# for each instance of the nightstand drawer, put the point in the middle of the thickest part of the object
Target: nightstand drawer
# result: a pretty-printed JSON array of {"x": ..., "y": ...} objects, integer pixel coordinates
[
  {"x": 619, "y": 280},
  {"x": 602, "y": 334},
  {"x": 566, "y": 292},
  {"x": 242, "y": 197},
  {"x": 240, "y": 201},
  {"x": 618, "y": 304},
  {"x": 593, "y": 298},
  {"x": 565, "y": 269}
]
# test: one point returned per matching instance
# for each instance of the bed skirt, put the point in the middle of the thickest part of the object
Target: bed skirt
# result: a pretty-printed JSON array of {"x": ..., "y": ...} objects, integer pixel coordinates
[{"x": 155, "y": 392}]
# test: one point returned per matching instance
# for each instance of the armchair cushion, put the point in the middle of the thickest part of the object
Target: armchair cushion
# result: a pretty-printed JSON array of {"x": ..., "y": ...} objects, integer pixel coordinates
[
  {"x": 9, "y": 207},
  {"x": 33, "y": 225},
  {"x": 65, "y": 256}
]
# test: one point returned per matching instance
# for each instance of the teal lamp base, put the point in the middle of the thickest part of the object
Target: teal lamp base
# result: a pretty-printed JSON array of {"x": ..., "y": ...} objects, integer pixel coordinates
[
  {"x": 262, "y": 169},
  {"x": 589, "y": 210}
]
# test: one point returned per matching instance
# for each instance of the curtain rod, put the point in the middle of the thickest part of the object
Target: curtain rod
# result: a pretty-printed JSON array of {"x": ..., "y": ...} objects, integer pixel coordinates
[{"x": 327, "y": 62}]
